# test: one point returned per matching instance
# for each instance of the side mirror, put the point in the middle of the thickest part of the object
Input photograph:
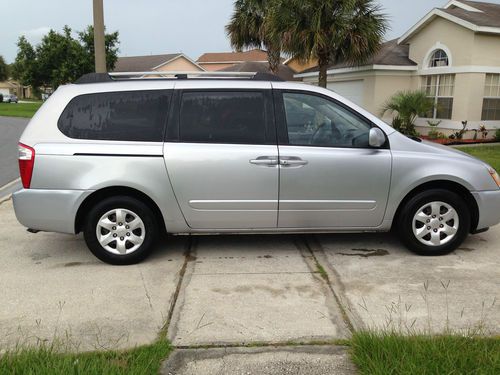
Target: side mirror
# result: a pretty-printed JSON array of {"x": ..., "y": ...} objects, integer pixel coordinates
[{"x": 376, "y": 138}]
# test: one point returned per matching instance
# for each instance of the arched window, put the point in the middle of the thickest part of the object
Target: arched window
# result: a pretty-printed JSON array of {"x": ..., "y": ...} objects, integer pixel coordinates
[{"x": 439, "y": 58}]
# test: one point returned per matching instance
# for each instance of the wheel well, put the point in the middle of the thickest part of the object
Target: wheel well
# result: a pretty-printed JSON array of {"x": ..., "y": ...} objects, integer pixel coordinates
[
  {"x": 446, "y": 185},
  {"x": 113, "y": 191}
]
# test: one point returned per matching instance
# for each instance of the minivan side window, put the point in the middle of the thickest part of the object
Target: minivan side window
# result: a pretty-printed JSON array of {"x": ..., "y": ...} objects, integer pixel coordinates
[
  {"x": 316, "y": 121},
  {"x": 117, "y": 116},
  {"x": 223, "y": 117}
]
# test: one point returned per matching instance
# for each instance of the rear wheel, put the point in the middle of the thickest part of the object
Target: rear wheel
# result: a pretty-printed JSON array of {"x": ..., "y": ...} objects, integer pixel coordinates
[
  {"x": 434, "y": 222},
  {"x": 120, "y": 230}
]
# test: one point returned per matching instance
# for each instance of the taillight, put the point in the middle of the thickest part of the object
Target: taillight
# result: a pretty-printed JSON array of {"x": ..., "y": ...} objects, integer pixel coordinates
[{"x": 26, "y": 163}]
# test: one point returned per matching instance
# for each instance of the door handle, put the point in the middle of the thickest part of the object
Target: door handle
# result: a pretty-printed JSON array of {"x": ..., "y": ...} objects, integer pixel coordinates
[
  {"x": 292, "y": 161},
  {"x": 265, "y": 161}
]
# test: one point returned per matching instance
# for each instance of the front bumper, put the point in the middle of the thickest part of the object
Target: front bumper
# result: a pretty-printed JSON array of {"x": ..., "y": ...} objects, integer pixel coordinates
[
  {"x": 48, "y": 210},
  {"x": 488, "y": 203}
]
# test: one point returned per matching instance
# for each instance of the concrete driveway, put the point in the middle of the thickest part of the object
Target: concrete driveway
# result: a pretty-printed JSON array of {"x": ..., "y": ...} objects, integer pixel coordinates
[{"x": 269, "y": 292}]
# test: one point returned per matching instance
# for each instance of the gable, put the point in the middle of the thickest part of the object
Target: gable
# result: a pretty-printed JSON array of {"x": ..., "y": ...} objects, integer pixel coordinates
[
  {"x": 440, "y": 33},
  {"x": 180, "y": 63}
]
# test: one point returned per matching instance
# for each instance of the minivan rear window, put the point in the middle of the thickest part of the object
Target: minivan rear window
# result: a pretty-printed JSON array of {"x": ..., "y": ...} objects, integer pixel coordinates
[
  {"x": 117, "y": 116},
  {"x": 223, "y": 117}
]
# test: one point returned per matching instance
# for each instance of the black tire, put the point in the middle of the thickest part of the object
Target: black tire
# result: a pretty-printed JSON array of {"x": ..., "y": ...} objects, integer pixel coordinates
[
  {"x": 124, "y": 202},
  {"x": 409, "y": 210}
]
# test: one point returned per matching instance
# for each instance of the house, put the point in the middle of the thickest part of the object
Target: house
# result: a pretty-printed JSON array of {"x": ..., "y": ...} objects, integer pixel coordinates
[
  {"x": 299, "y": 66},
  {"x": 14, "y": 87},
  {"x": 213, "y": 61},
  {"x": 284, "y": 72},
  {"x": 167, "y": 62},
  {"x": 453, "y": 54}
]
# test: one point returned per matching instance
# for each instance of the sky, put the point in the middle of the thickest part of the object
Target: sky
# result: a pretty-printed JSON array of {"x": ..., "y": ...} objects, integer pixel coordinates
[{"x": 159, "y": 26}]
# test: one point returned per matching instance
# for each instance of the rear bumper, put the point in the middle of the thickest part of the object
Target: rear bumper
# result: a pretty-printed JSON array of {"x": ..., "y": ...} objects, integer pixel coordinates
[
  {"x": 488, "y": 203},
  {"x": 48, "y": 210}
]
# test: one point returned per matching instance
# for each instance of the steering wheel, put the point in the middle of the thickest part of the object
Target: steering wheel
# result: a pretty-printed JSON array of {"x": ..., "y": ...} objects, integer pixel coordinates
[{"x": 319, "y": 138}]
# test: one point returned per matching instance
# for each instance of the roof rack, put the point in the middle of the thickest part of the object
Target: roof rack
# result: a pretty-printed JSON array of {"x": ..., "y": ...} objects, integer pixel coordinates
[{"x": 124, "y": 76}]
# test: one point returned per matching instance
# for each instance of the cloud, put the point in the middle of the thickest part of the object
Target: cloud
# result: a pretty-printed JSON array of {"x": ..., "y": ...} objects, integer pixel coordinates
[{"x": 35, "y": 35}]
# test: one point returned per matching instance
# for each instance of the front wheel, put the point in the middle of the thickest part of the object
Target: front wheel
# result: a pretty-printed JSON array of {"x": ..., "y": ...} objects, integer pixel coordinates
[
  {"x": 434, "y": 222},
  {"x": 120, "y": 230}
]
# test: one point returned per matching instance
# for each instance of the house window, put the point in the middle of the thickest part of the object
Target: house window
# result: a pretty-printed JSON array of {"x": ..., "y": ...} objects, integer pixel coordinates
[
  {"x": 439, "y": 58},
  {"x": 440, "y": 89},
  {"x": 491, "y": 101}
]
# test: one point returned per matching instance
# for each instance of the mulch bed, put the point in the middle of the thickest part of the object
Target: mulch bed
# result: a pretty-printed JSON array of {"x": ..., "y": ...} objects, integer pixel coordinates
[{"x": 452, "y": 142}]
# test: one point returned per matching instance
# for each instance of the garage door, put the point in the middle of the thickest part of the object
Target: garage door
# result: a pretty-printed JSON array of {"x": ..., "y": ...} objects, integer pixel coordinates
[
  {"x": 4, "y": 91},
  {"x": 352, "y": 90}
]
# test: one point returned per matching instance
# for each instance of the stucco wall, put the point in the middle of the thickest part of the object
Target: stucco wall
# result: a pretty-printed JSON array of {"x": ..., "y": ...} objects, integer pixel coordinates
[
  {"x": 179, "y": 64},
  {"x": 486, "y": 51},
  {"x": 298, "y": 66},
  {"x": 215, "y": 67},
  {"x": 442, "y": 32}
]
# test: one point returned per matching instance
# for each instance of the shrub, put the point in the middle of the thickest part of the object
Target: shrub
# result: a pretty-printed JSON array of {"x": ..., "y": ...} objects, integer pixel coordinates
[
  {"x": 497, "y": 135},
  {"x": 407, "y": 105}
]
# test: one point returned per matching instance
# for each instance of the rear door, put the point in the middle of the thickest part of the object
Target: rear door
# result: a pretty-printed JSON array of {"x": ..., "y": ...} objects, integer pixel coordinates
[
  {"x": 329, "y": 176},
  {"x": 222, "y": 157}
]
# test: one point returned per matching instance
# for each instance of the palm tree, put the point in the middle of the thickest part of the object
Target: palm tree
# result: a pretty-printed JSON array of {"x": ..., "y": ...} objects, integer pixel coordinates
[
  {"x": 407, "y": 105},
  {"x": 329, "y": 31},
  {"x": 249, "y": 27}
]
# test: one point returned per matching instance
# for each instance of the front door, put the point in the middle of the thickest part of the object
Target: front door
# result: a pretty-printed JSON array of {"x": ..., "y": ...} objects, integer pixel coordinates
[
  {"x": 224, "y": 166},
  {"x": 329, "y": 176}
]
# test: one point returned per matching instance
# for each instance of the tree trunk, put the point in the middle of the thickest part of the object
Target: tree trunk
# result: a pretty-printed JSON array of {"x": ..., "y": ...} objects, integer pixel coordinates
[
  {"x": 323, "y": 67},
  {"x": 274, "y": 57}
]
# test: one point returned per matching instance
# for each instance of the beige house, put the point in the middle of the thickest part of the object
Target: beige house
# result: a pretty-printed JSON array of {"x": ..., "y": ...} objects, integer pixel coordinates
[
  {"x": 14, "y": 87},
  {"x": 160, "y": 63},
  {"x": 214, "y": 61},
  {"x": 453, "y": 53}
]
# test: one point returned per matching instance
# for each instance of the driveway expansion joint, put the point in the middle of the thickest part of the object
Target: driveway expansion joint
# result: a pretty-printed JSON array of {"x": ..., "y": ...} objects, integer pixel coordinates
[
  {"x": 330, "y": 277},
  {"x": 188, "y": 248}
]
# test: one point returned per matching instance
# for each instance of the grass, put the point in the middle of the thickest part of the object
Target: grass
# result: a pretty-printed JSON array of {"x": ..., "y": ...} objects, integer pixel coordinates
[
  {"x": 387, "y": 353},
  {"x": 489, "y": 154},
  {"x": 46, "y": 360},
  {"x": 19, "y": 109}
]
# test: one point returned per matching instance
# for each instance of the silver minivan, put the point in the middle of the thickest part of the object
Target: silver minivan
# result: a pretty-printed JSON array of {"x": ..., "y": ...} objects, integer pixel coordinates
[{"x": 124, "y": 158}]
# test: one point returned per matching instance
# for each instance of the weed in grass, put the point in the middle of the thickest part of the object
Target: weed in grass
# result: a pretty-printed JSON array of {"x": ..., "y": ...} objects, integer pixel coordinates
[
  {"x": 433, "y": 316},
  {"x": 48, "y": 360},
  {"x": 382, "y": 353}
]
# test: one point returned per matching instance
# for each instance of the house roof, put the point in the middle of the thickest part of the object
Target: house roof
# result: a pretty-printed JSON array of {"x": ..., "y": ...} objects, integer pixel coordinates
[
  {"x": 284, "y": 72},
  {"x": 477, "y": 16},
  {"x": 233, "y": 57},
  {"x": 143, "y": 63},
  {"x": 488, "y": 14},
  {"x": 390, "y": 53}
]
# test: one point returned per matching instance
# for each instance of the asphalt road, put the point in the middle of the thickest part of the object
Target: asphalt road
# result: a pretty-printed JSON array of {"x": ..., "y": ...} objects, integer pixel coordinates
[{"x": 11, "y": 129}]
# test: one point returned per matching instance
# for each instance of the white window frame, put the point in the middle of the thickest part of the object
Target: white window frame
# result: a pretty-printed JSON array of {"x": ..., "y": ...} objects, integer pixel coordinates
[
  {"x": 435, "y": 96},
  {"x": 489, "y": 96}
]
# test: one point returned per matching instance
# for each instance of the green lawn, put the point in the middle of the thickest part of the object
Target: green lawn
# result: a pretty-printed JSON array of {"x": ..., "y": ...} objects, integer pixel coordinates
[
  {"x": 386, "y": 354},
  {"x": 19, "y": 109},
  {"x": 46, "y": 361},
  {"x": 489, "y": 154}
]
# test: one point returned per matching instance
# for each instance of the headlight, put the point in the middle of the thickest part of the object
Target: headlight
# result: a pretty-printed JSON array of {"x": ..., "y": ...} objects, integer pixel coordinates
[{"x": 494, "y": 176}]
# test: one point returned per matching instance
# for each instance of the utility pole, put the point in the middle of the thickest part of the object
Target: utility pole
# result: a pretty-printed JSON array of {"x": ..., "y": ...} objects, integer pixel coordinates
[{"x": 99, "y": 47}]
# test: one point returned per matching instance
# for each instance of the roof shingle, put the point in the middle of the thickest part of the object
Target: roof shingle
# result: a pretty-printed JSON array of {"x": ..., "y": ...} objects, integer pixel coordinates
[
  {"x": 390, "y": 53},
  {"x": 251, "y": 55},
  {"x": 489, "y": 15},
  {"x": 142, "y": 63},
  {"x": 284, "y": 72}
]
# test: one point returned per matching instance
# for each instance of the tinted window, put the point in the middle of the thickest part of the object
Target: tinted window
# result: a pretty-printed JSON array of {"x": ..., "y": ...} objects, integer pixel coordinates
[
  {"x": 316, "y": 121},
  {"x": 223, "y": 117},
  {"x": 118, "y": 116}
]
